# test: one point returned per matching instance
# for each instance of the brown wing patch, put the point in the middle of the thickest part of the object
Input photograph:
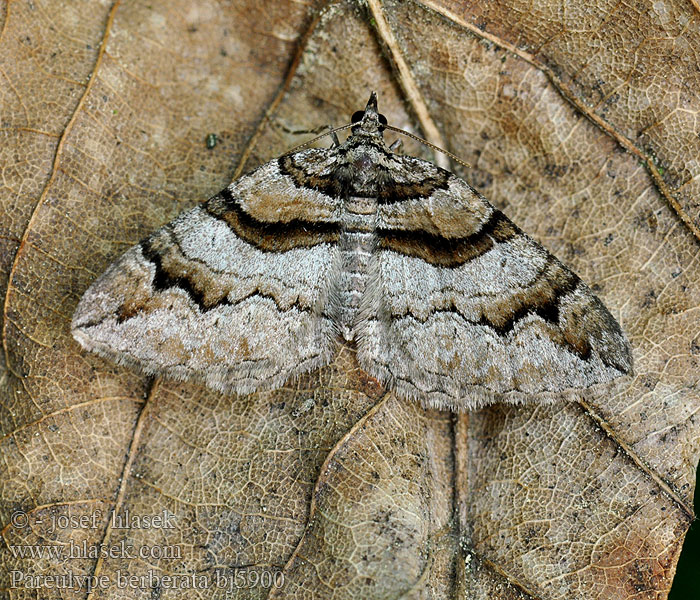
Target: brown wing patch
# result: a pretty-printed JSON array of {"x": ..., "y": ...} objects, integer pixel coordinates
[
  {"x": 270, "y": 236},
  {"x": 331, "y": 184},
  {"x": 584, "y": 318},
  {"x": 449, "y": 252},
  {"x": 396, "y": 191},
  {"x": 541, "y": 297},
  {"x": 174, "y": 270}
]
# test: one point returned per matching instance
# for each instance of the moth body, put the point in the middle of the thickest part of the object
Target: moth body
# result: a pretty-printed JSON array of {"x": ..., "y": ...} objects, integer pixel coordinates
[{"x": 444, "y": 299}]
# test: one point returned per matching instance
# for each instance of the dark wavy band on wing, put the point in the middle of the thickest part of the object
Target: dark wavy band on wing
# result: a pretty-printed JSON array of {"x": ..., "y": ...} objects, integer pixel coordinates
[
  {"x": 267, "y": 236},
  {"x": 171, "y": 272},
  {"x": 394, "y": 192},
  {"x": 446, "y": 252},
  {"x": 542, "y": 297}
]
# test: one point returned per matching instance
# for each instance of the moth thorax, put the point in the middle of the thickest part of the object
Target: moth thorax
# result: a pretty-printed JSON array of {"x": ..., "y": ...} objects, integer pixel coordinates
[{"x": 368, "y": 174}]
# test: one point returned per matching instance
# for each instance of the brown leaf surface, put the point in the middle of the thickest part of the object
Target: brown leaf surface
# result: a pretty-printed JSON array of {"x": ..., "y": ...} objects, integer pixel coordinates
[{"x": 578, "y": 120}]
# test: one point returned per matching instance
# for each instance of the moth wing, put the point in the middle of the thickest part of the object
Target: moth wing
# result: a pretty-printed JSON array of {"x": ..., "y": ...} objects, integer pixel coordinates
[
  {"x": 229, "y": 293},
  {"x": 466, "y": 309}
]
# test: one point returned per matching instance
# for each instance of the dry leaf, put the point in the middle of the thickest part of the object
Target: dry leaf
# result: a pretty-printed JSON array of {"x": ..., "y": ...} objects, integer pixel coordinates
[{"x": 578, "y": 120}]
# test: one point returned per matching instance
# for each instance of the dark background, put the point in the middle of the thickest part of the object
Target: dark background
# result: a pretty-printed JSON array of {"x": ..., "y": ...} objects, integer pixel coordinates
[{"x": 686, "y": 585}]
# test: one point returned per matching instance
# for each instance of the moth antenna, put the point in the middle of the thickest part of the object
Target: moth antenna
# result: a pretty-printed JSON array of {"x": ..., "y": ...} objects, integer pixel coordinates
[
  {"x": 336, "y": 142},
  {"x": 427, "y": 143},
  {"x": 318, "y": 137}
]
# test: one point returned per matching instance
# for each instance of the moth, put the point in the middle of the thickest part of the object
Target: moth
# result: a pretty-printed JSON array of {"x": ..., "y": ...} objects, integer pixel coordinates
[{"x": 445, "y": 300}]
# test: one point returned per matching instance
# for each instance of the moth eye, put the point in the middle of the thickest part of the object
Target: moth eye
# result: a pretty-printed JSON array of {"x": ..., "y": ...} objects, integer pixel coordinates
[
  {"x": 357, "y": 116},
  {"x": 382, "y": 119}
]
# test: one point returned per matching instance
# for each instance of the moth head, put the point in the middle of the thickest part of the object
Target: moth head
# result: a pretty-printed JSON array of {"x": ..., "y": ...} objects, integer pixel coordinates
[{"x": 368, "y": 121}]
